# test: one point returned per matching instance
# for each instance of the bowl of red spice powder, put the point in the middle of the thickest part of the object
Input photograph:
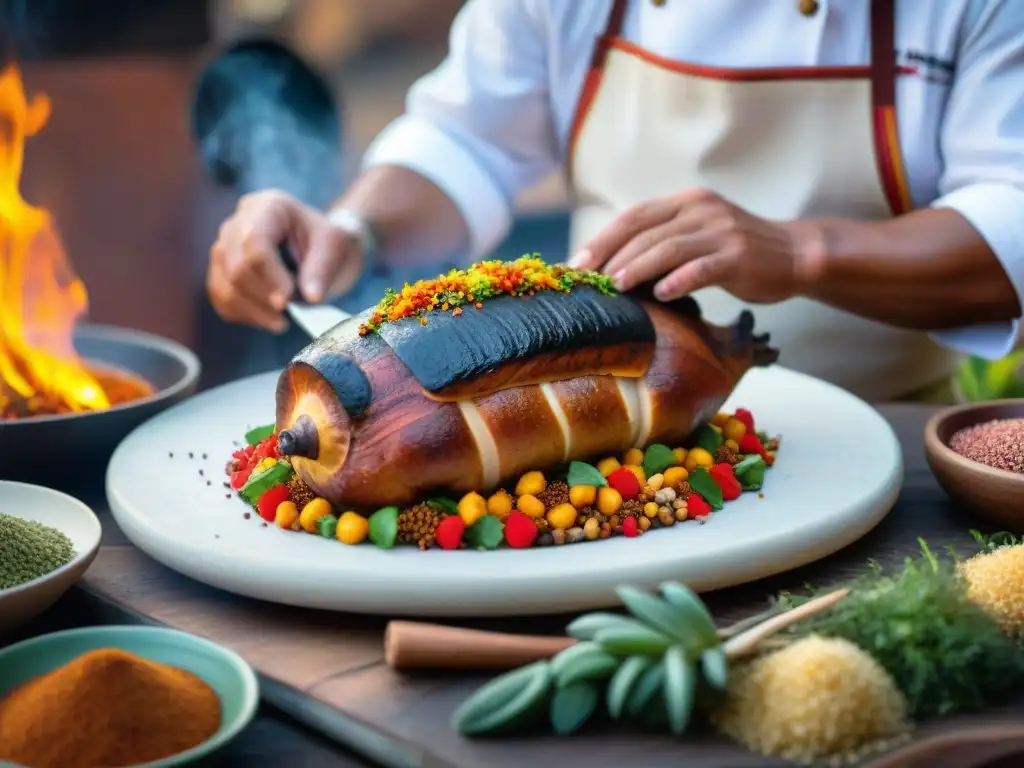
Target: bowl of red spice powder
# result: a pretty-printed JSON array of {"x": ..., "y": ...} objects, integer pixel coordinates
[{"x": 977, "y": 454}]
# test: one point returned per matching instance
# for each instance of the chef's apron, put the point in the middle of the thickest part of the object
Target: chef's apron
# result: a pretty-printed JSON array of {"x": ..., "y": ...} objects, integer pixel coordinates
[{"x": 782, "y": 143}]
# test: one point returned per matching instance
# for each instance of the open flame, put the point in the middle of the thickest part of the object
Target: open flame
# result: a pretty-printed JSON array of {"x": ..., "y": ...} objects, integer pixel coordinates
[{"x": 41, "y": 299}]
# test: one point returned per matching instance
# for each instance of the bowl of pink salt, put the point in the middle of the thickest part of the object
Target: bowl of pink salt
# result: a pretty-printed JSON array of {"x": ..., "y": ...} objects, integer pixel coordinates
[{"x": 977, "y": 454}]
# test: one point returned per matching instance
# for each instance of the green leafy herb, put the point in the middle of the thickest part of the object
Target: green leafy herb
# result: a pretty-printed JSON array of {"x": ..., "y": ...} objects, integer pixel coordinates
[
  {"x": 944, "y": 652},
  {"x": 709, "y": 438},
  {"x": 443, "y": 504},
  {"x": 657, "y": 458},
  {"x": 572, "y": 706},
  {"x": 750, "y": 472},
  {"x": 257, "y": 435},
  {"x": 262, "y": 481},
  {"x": 486, "y": 533},
  {"x": 581, "y": 473},
  {"x": 977, "y": 379},
  {"x": 701, "y": 482},
  {"x": 384, "y": 527},
  {"x": 993, "y": 541},
  {"x": 650, "y": 666}
]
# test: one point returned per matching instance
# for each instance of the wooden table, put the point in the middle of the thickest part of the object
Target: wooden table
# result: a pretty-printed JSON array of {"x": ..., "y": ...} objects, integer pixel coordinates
[{"x": 327, "y": 670}]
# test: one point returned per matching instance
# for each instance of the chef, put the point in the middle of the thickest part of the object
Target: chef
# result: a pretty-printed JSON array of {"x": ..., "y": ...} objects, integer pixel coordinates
[{"x": 854, "y": 168}]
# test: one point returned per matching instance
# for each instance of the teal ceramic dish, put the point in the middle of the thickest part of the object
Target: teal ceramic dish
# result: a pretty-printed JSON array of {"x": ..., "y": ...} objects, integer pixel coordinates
[{"x": 223, "y": 670}]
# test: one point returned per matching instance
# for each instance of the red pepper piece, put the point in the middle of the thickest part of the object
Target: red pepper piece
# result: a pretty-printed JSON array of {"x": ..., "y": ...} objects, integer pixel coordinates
[
  {"x": 269, "y": 501},
  {"x": 449, "y": 532},
  {"x": 742, "y": 414},
  {"x": 751, "y": 443},
  {"x": 629, "y": 527},
  {"x": 625, "y": 482},
  {"x": 238, "y": 478},
  {"x": 520, "y": 530},
  {"x": 726, "y": 479},
  {"x": 696, "y": 506}
]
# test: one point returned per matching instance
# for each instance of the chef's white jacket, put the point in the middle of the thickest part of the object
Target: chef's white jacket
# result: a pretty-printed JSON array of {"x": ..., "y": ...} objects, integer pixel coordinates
[{"x": 494, "y": 118}]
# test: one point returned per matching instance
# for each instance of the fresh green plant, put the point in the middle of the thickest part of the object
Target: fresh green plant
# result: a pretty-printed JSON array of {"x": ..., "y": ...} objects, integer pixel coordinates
[
  {"x": 655, "y": 665},
  {"x": 944, "y": 651},
  {"x": 977, "y": 379}
]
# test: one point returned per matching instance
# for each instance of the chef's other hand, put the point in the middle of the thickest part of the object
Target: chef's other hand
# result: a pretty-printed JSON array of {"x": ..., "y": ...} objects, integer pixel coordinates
[
  {"x": 248, "y": 283},
  {"x": 696, "y": 239}
]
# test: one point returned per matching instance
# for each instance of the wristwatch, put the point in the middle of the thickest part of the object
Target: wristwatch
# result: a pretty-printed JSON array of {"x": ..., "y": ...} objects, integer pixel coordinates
[{"x": 353, "y": 223}]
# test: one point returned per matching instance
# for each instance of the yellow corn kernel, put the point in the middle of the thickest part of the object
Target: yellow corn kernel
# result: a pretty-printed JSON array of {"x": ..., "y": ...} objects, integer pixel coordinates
[
  {"x": 499, "y": 504},
  {"x": 679, "y": 454},
  {"x": 312, "y": 512},
  {"x": 698, "y": 457},
  {"x": 650, "y": 509},
  {"x": 609, "y": 501},
  {"x": 531, "y": 506},
  {"x": 352, "y": 528},
  {"x": 472, "y": 507},
  {"x": 734, "y": 429},
  {"x": 674, "y": 476},
  {"x": 638, "y": 473},
  {"x": 720, "y": 418},
  {"x": 267, "y": 463},
  {"x": 582, "y": 495},
  {"x": 633, "y": 456},
  {"x": 562, "y": 516},
  {"x": 286, "y": 516},
  {"x": 531, "y": 484},
  {"x": 607, "y": 466}
]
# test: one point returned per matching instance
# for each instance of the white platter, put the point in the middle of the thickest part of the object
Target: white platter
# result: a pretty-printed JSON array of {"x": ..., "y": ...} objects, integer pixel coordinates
[{"x": 837, "y": 475}]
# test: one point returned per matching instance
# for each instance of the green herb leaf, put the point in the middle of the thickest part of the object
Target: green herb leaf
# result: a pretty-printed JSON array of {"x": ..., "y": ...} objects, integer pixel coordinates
[
  {"x": 714, "y": 667},
  {"x": 384, "y": 527},
  {"x": 710, "y": 439},
  {"x": 589, "y": 624},
  {"x": 697, "y": 615},
  {"x": 591, "y": 663},
  {"x": 680, "y": 687},
  {"x": 623, "y": 682},
  {"x": 443, "y": 504},
  {"x": 506, "y": 702},
  {"x": 705, "y": 485},
  {"x": 486, "y": 533},
  {"x": 993, "y": 541},
  {"x": 581, "y": 473},
  {"x": 257, "y": 435},
  {"x": 571, "y": 707},
  {"x": 646, "y": 689},
  {"x": 750, "y": 472},
  {"x": 657, "y": 458},
  {"x": 660, "y": 615},
  {"x": 627, "y": 641}
]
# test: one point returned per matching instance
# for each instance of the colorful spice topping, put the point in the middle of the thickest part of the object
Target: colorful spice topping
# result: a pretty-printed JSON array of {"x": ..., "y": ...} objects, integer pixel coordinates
[
  {"x": 611, "y": 498},
  {"x": 126, "y": 710},
  {"x": 474, "y": 285},
  {"x": 998, "y": 444},
  {"x": 30, "y": 550}
]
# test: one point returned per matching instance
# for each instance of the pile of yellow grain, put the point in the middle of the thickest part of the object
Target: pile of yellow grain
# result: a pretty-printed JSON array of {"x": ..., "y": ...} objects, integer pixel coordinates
[
  {"x": 995, "y": 581},
  {"x": 816, "y": 699}
]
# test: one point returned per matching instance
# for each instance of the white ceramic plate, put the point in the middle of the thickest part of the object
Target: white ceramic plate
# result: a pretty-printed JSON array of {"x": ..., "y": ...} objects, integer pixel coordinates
[
  {"x": 837, "y": 474},
  {"x": 70, "y": 516}
]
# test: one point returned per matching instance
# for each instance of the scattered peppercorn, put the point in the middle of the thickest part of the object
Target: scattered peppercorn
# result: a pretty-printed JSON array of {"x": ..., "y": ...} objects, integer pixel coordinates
[
  {"x": 683, "y": 490},
  {"x": 725, "y": 455},
  {"x": 631, "y": 508},
  {"x": 418, "y": 525},
  {"x": 555, "y": 493},
  {"x": 299, "y": 492}
]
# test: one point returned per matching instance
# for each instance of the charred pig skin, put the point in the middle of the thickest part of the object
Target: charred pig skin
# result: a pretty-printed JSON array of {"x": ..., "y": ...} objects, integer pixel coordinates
[{"x": 390, "y": 418}]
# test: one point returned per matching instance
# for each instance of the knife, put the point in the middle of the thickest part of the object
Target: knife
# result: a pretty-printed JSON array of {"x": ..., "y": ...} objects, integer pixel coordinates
[{"x": 314, "y": 319}]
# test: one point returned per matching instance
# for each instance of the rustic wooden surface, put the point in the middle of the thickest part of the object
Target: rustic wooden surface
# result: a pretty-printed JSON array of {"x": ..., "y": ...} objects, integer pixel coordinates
[{"x": 327, "y": 670}]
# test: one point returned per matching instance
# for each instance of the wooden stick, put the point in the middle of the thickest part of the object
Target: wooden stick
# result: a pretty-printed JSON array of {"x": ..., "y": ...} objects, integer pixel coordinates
[
  {"x": 746, "y": 643},
  {"x": 417, "y": 645}
]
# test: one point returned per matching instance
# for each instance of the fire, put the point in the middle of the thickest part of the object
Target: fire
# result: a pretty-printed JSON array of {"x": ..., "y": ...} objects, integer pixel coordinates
[{"x": 41, "y": 299}]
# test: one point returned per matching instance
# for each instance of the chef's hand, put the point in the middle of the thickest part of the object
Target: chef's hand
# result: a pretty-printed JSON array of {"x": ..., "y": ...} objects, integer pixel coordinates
[
  {"x": 696, "y": 239},
  {"x": 246, "y": 280}
]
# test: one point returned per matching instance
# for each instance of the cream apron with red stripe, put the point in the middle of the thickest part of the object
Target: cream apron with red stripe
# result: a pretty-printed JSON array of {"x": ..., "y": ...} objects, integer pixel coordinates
[{"x": 781, "y": 143}]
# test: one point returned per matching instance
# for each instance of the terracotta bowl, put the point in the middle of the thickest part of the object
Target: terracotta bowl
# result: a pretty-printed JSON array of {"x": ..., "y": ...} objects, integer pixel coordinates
[{"x": 994, "y": 494}]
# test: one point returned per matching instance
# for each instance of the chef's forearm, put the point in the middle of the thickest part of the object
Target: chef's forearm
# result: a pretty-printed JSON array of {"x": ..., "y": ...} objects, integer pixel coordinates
[
  {"x": 411, "y": 218},
  {"x": 928, "y": 270}
]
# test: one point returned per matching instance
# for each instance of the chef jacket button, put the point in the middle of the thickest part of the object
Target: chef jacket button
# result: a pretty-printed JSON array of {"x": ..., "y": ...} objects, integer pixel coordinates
[{"x": 809, "y": 7}]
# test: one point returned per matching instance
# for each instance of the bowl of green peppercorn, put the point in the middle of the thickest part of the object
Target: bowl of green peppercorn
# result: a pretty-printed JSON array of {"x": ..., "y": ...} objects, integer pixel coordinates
[{"x": 47, "y": 541}]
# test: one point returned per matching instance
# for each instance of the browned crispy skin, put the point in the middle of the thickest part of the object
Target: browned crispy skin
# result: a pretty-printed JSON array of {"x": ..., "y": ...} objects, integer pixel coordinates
[
  {"x": 407, "y": 446},
  {"x": 628, "y": 360}
]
